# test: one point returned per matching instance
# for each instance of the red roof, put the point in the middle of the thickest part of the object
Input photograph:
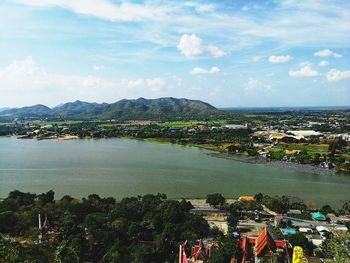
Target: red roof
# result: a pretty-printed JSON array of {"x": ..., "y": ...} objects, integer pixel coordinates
[{"x": 264, "y": 244}]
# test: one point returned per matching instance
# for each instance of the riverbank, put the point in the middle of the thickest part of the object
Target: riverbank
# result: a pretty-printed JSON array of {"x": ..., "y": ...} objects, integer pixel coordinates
[
  {"x": 278, "y": 164},
  {"x": 219, "y": 152}
]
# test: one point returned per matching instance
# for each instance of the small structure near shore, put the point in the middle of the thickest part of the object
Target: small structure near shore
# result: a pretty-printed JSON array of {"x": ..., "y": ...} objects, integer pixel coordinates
[
  {"x": 319, "y": 216},
  {"x": 247, "y": 198}
]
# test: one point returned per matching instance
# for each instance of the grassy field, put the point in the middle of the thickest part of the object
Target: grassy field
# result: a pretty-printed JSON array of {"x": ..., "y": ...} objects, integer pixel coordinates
[
  {"x": 183, "y": 124},
  {"x": 310, "y": 148}
]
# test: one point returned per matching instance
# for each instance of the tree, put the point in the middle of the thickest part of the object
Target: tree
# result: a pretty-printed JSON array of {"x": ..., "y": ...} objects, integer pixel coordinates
[
  {"x": 9, "y": 252},
  {"x": 326, "y": 209},
  {"x": 300, "y": 240},
  {"x": 216, "y": 200},
  {"x": 7, "y": 221},
  {"x": 47, "y": 197},
  {"x": 66, "y": 254},
  {"x": 259, "y": 197},
  {"x": 226, "y": 249},
  {"x": 338, "y": 247}
]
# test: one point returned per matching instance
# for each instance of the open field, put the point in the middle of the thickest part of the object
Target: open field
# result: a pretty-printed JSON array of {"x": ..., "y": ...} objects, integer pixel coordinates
[
  {"x": 312, "y": 148},
  {"x": 184, "y": 124}
]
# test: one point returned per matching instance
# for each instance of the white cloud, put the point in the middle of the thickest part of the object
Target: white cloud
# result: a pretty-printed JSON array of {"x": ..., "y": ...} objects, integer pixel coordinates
[
  {"x": 199, "y": 7},
  {"x": 98, "y": 67},
  {"x": 335, "y": 75},
  {"x": 155, "y": 84},
  {"x": 191, "y": 46},
  {"x": 304, "y": 64},
  {"x": 215, "y": 51},
  {"x": 305, "y": 71},
  {"x": 257, "y": 58},
  {"x": 323, "y": 63},
  {"x": 133, "y": 83},
  {"x": 327, "y": 53},
  {"x": 202, "y": 71},
  {"x": 28, "y": 83},
  {"x": 279, "y": 59},
  {"x": 205, "y": 7},
  {"x": 105, "y": 9},
  {"x": 254, "y": 85},
  {"x": 295, "y": 24},
  {"x": 24, "y": 82}
]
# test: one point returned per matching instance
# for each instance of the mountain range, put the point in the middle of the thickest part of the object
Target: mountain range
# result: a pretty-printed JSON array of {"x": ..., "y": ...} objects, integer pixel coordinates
[{"x": 139, "y": 109}]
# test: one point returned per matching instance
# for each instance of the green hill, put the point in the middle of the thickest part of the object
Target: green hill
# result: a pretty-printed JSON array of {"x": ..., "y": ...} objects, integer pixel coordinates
[{"x": 138, "y": 109}]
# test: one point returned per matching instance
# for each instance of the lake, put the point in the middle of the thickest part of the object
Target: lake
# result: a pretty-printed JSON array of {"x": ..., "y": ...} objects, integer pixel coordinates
[{"x": 123, "y": 167}]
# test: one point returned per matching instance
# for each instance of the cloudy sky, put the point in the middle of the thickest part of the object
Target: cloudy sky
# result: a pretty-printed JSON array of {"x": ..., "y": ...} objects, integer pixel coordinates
[{"x": 228, "y": 53}]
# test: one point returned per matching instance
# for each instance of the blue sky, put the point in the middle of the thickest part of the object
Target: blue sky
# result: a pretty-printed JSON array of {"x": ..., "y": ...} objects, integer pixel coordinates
[{"x": 228, "y": 53}]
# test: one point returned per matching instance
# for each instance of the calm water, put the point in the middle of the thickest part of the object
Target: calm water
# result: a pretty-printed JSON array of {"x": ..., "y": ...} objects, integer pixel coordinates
[{"x": 120, "y": 167}]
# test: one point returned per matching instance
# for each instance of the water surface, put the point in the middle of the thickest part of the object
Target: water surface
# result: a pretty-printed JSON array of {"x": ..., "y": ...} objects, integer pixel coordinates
[{"x": 122, "y": 167}]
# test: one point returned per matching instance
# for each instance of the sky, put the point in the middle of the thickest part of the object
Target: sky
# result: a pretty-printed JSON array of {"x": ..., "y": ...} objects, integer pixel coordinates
[{"x": 230, "y": 53}]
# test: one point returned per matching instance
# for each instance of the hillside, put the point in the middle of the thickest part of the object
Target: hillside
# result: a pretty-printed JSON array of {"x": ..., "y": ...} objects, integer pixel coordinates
[
  {"x": 36, "y": 111},
  {"x": 162, "y": 108},
  {"x": 138, "y": 109}
]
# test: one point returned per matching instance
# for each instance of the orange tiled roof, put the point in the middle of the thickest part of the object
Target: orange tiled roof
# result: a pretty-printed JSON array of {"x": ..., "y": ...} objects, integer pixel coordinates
[
  {"x": 264, "y": 244},
  {"x": 246, "y": 198}
]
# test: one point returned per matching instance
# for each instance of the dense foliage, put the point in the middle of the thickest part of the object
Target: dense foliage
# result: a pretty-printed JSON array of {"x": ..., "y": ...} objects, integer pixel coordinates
[
  {"x": 215, "y": 200},
  {"x": 138, "y": 229}
]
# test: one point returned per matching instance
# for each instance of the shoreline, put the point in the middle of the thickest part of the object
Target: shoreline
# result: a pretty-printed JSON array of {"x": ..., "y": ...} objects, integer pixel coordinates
[{"x": 277, "y": 164}]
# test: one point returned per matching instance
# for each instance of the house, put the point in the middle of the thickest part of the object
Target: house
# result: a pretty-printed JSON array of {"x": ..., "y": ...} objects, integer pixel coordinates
[
  {"x": 288, "y": 231},
  {"x": 316, "y": 240},
  {"x": 294, "y": 212},
  {"x": 341, "y": 228},
  {"x": 174, "y": 130},
  {"x": 197, "y": 253},
  {"x": 305, "y": 230},
  {"x": 236, "y": 126},
  {"x": 247, "y": 198}
]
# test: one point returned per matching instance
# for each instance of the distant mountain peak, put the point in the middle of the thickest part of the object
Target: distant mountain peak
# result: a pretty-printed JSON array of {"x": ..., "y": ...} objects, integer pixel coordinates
[{"x": 165, "y": 108}]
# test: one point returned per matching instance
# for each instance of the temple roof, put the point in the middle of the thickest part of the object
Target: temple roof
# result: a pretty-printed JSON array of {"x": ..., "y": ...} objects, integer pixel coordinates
[{"x": 264, "y": 244}]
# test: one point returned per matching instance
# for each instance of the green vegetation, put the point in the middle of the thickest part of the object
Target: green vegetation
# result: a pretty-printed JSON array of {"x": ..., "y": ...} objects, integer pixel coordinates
[
  {"x": 146, "y": 228},
  {"x": 215, "y": 200},
  {"x": 95, "y": 229},
  {"x": 140, "y": 109},
  {"x": 309, "y": 148},
  {"x": 191, "y": 123},
  {"x": 337, "y": 247},
  {"x": 300, "y": 240},
  {"x": 226, "y": 249}
]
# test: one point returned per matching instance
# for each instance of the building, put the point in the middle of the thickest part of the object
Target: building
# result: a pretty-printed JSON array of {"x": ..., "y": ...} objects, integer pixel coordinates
[
  {"x": 264, "y": 248},
  {"x": 288, "y": 231},
  {"x": 305, "y": 133},
  {"x": 197, "y": 253},
  {"x": 248, "y": 198},
  {"x": 236, "y": 126}
]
